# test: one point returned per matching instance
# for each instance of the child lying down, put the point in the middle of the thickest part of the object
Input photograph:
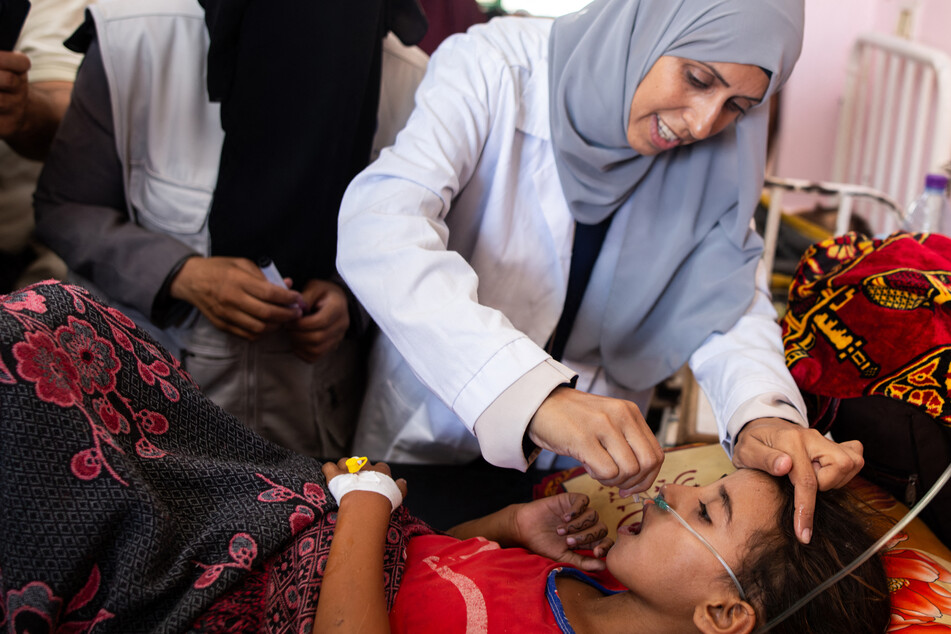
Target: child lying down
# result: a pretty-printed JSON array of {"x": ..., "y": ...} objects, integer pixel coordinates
[{"x": 129, "y": 503}]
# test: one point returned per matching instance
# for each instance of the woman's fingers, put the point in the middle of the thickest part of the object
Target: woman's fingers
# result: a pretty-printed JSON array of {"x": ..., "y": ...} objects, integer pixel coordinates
[{"x": 609, "y": 436}]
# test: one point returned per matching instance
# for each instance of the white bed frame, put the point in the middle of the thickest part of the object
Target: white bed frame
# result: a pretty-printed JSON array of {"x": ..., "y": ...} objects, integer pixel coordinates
[
  {"x": 894, "y": 127},
  {"x": 895, "y": 123}
]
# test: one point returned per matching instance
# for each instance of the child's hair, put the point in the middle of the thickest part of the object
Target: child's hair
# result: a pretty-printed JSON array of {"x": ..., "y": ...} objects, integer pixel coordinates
[{"x": 779, "y": 570}]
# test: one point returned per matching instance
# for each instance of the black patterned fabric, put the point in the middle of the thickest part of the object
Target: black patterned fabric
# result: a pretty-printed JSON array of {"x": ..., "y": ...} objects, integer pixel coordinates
[{"x": 130, "y": 503}]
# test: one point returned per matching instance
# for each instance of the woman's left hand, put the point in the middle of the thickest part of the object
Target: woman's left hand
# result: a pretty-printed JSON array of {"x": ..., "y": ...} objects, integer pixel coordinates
[
  {"x": 812, "y": 462},
  {"x": 557, "y": 526}
]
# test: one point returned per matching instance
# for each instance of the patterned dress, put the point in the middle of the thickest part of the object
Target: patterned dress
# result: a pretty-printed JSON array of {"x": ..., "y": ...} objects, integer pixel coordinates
[{"x": 130, "y": 503}]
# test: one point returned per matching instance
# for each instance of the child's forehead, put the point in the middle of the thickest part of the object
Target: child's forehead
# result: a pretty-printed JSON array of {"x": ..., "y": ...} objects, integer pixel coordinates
[
  {"x": 746, "y": 477},
  {"x": 746, "y": 486}
]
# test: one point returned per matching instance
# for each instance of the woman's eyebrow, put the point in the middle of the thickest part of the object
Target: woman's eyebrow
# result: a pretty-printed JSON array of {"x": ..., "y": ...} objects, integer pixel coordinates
[
  {"x": 727, "y": 503},
  {"x": 715, "y": 73},
  {"x": 723, "y": 81}
]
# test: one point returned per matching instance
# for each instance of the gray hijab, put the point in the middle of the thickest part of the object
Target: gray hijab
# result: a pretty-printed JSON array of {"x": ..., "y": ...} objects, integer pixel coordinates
[{"x": 679, "y": 261}]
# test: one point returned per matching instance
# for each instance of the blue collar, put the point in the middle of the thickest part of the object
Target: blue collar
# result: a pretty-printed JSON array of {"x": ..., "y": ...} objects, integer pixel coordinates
[{"x": 554, "y": 601}]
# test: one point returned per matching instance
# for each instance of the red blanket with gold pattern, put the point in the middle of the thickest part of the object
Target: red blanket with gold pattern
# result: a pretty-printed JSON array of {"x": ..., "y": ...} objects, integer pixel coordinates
[{"x": 873, "y": 317}]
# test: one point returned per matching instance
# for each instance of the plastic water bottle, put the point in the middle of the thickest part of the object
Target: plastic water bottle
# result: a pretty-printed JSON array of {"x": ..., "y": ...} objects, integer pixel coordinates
[{"x": 931, "y": 212}]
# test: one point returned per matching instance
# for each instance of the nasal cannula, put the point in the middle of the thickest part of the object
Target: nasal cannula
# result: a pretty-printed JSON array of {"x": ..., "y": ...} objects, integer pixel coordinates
[
  {"x": 662, "y": 504},
  {"x": 861, "y": 559}
]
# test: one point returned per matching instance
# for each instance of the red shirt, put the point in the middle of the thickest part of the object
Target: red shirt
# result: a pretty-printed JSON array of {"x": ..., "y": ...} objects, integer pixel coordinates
[{"x": 475, "y": 586}]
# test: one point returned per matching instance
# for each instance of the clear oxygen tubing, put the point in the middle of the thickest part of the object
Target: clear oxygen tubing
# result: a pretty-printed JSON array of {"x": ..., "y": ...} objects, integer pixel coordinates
[
  {"x": 861, "y": 559},
  {"x": 661, "y": 503}
]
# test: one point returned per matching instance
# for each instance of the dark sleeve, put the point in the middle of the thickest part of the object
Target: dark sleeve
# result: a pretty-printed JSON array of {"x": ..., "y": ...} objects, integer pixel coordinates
[{"x": 81, "y": 208}]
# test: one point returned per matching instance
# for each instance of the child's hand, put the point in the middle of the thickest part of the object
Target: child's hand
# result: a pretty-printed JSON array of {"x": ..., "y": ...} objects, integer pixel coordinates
[
  {"x": 557, "y": 526},
  {"x": 332, "y": 470}
]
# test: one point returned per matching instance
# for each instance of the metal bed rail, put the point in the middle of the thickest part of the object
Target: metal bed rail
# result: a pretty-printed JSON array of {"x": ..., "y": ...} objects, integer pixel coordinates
[
  {"x": 895, "y": 122},
  {"x": 842, "y": 194}
]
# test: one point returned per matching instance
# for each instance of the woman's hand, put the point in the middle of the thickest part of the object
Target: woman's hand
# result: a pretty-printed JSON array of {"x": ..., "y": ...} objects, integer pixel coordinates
[
  {"x": 609, "y": 436},
  {"x": 557, "y": 526},
  {"x": 812, "y": 462}
]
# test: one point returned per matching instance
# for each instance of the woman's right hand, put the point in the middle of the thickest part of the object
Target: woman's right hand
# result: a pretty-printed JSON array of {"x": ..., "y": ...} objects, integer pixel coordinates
[{"x": 608, "y": 436}]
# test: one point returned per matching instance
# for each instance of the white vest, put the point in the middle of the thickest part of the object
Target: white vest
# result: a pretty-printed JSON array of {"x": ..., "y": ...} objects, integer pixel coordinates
[{"x": 168, "y": 135}]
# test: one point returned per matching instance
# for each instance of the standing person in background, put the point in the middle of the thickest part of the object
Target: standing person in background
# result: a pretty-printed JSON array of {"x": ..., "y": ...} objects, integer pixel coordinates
[
  {"x": 447, "y": 17},
  {"x": 286, "y": 161},
  {"x": 622, "y": 143},
  {"x": 126, "y": 197},
  {"x": 36, "y": 80}
]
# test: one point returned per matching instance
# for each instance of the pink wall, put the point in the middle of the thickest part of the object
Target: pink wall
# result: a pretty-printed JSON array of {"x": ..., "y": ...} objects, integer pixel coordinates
[{"x": 810, "y": 100}]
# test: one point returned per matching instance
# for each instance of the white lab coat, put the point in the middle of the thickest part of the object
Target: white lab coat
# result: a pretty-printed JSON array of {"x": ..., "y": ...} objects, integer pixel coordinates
[{"x": 458, "y": 241}]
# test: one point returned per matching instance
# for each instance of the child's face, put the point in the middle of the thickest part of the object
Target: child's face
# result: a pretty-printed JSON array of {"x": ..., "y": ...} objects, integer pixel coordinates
[
  {"x": 682, "y": 101},
  {"x": 668, "y": 566}
]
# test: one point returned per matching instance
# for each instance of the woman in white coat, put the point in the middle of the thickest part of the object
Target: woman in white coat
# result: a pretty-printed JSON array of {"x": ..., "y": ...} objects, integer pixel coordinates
[{"x": 611, "y": 158}]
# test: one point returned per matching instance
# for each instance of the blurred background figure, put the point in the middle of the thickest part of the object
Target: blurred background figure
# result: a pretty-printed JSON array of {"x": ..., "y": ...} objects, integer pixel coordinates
[
  {"x": 36, "y": 79},
  {"x": 446, "y": 17},
  {"x": 133, "y": 199}
]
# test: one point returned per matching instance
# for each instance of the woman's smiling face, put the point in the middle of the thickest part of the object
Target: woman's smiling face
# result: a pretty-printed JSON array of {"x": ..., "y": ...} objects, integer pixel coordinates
[
  {"x": 682, "y": 101},
  {"x": 668, "y": 566}
]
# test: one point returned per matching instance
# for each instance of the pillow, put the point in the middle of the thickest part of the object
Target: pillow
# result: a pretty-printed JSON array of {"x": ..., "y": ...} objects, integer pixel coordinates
[{"x": 917, "y": 563}]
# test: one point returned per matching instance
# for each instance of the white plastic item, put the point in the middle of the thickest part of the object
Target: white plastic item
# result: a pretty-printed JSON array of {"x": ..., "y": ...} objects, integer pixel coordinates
[{"x": 931, "y": 211}]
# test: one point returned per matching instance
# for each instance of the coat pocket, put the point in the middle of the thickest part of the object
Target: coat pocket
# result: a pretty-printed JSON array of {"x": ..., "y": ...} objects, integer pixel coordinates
[{"x": 175, "y": 209}]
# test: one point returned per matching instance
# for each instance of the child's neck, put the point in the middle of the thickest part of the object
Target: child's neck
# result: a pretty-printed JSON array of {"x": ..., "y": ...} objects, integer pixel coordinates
[{"x": 589, "y": 611}]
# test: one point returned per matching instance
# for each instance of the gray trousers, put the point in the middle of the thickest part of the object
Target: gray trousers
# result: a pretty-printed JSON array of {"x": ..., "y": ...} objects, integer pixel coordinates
[{"x": 310, "y": 408}]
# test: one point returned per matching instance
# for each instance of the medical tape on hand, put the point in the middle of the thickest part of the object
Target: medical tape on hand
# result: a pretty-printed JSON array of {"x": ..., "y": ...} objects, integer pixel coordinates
[{"x": 373, "y": 481}]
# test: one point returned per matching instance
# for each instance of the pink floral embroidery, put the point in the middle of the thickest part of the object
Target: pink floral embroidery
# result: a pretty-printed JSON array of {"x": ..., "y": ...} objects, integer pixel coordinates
[
  {"x": 146, "y": 449},
  {"x": 124, "y": 342},
  {"x": 75, "y": 360},
  {"x": 42, "y": 362},
  {"x": 303, "y": 516},
  {"x": 154, "y": 423},
  {"x": 92, "y": 356},
  {"x": 277, "y": 493},
  {"x": 26, "y": 300},
  {"x": 120, "y": 317},
  {"x": 242, "y": 549},
  {"x": 155, "y": 371},
  {"x": 115, "y": 422},
  {"x": 87, "y": 464},
  {"x": 314, "y": 493},
  {"x": 35, "y": 609}
]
